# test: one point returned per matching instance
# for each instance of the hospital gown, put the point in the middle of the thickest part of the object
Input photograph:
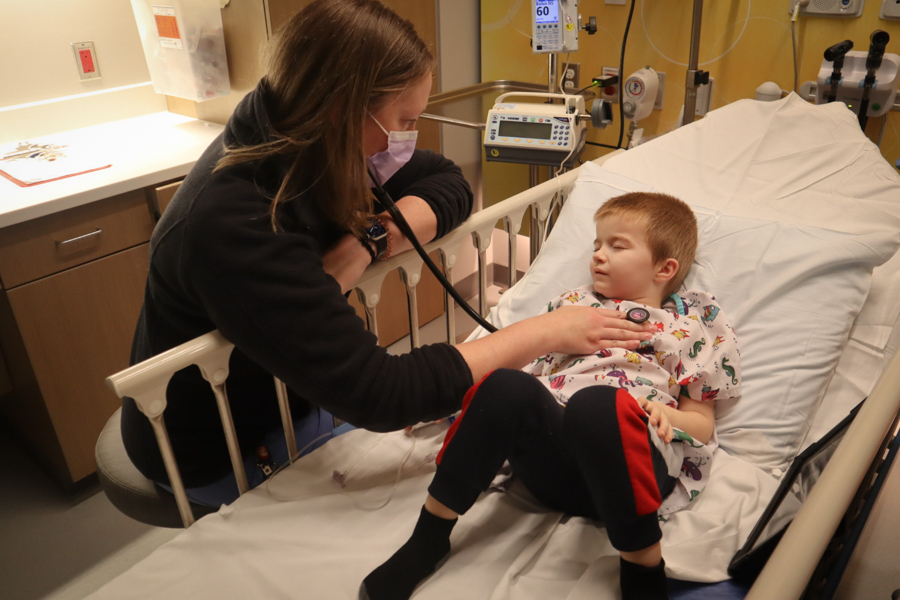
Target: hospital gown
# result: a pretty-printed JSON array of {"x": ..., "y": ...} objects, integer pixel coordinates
[{"x": 693, "y": 354}]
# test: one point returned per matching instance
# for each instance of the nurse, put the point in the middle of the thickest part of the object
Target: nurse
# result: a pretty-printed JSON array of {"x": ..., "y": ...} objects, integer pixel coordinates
[{"x": 276, "y": 223}]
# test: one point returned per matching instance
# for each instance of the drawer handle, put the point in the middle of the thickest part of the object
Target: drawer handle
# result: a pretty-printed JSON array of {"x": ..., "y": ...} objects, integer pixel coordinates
[{"x": 79, "y": 238}]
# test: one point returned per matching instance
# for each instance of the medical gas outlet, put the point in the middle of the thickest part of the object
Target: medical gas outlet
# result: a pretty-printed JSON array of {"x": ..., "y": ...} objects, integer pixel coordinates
[{"x": 640, "y": 94}]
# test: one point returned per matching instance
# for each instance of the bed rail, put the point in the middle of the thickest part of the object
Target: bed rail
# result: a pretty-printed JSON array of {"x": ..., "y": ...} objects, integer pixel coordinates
[
  {"x": 792, "y": 564},
  {"x": 146, "y": 382}
]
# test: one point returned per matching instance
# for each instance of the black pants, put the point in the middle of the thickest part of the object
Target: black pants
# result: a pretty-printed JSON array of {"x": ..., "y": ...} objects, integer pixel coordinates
[{"x": 591, "y": 458}]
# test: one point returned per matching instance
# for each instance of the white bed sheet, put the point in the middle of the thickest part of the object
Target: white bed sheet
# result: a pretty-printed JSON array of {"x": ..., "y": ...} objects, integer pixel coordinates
[{"x": 322, "y": 543}]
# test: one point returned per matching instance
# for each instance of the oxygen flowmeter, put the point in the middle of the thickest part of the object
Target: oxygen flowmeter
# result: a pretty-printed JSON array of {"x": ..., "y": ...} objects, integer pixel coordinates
[
  {"x": 554, "y": 26},
  {"x": 536, "y": 133}
]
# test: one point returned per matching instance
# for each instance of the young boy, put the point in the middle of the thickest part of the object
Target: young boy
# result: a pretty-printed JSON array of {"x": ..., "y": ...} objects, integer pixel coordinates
[{"x": 609, "y": 436}]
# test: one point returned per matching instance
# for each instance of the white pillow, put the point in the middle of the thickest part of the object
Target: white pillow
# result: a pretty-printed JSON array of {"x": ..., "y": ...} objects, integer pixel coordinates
[{"x": 791, "y": 292}]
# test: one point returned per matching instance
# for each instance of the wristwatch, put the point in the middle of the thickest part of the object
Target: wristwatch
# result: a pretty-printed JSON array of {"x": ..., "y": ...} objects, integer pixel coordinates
[{"x": 376, "y": 234}]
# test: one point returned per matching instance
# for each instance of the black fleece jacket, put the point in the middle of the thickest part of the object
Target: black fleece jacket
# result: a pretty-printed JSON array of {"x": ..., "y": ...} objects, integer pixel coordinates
[{"x": 215, "y": 263}]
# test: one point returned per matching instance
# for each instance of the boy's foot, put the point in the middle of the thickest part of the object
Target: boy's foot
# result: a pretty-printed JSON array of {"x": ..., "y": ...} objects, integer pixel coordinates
[
  {"x": 425, "y": 551},
  {"x": 642, "y": 583}
]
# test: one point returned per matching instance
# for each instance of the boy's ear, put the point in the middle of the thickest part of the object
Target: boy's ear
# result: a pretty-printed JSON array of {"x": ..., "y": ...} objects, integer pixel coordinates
[{"x": 667, "y": 270}]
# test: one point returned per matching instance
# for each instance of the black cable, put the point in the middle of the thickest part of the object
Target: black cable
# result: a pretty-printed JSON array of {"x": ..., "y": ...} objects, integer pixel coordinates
[
  {"x": 602, "y": 145},
  {"x": 398, "y": 217},
  {"x": 622, "y": 78}
]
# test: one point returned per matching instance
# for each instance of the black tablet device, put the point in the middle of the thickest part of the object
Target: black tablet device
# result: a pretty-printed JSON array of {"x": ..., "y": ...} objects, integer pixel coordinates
[{"x": 794, "y": 487}]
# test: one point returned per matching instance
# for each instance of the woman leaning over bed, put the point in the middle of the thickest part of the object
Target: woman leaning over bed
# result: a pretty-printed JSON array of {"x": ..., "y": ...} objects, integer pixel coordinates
[{"x": 267, "y": 234}]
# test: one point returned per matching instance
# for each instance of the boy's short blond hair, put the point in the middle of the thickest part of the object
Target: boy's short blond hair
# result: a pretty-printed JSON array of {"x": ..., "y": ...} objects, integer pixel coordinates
[{"x": 670, "y": 225}]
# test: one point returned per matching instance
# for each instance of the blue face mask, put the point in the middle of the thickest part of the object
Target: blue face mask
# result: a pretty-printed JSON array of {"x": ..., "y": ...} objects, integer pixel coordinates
[{"x": 401, "y": 145}]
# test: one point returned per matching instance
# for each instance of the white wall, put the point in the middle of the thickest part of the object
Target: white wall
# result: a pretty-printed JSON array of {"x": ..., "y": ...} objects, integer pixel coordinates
[{"x": 39, "y": 75}]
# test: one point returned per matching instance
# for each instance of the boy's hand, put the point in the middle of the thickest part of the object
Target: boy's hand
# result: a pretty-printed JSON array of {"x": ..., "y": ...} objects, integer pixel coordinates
[{"x": 658, "y": 418}]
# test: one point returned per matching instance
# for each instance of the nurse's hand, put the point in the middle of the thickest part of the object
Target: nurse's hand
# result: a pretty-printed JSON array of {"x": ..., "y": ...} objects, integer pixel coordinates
[
  {"x": 587, "y": 330},
  {"x": 346, "y": 262}
]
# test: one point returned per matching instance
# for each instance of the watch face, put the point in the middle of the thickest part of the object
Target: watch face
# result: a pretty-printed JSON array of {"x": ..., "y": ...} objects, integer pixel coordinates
[{"x": 375, "y": 229}]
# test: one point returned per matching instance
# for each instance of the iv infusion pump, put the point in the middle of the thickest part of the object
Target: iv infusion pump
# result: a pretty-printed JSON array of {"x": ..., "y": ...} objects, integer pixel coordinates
[
  {"x": 554, "y": 26},
  {"x": 535, "y": 134}
]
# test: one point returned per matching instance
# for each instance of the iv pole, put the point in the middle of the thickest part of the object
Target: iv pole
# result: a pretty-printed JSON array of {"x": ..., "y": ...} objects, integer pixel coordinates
[{"x": 694, "y": 78}]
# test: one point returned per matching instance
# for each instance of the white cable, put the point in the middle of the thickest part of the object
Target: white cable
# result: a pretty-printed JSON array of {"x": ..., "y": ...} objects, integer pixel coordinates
[
  {"x": 562, "y": 77},
  {"x": 794, "y": 44},
  {"x": 286, "y": 465},
  {"x": 341, "y": 476}
]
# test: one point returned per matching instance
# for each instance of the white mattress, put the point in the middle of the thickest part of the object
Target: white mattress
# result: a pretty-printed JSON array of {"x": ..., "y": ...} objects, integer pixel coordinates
[{"x": 323, "y": 540}]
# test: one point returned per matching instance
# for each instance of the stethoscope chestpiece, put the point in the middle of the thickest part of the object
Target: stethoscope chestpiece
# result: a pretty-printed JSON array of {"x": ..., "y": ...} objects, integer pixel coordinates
[{"x": 637, "y": 315}]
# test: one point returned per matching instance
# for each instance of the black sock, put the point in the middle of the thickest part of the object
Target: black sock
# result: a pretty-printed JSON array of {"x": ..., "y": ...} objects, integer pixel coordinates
[
  {"x": 418, "y": 558},
  {"x": 642, "y": 583}
]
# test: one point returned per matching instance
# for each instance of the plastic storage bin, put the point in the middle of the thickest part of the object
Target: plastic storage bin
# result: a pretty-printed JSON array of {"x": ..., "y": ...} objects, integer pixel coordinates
[{"x": 184, "y": 46}]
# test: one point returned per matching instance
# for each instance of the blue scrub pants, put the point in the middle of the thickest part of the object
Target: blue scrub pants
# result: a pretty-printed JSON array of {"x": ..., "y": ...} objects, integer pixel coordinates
[{"x": 225, "y": 491}]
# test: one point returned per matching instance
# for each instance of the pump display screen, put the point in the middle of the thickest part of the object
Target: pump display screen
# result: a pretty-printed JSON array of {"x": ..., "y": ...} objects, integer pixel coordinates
[
  {"x": 546, "y": 11},
  {"x": 537, "y": 131}
]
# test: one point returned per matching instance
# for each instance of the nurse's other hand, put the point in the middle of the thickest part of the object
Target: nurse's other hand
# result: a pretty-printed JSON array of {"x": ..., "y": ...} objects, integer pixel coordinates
[
  {"x": 346, "y": 262},
  {"x": 586, "y": 330}
]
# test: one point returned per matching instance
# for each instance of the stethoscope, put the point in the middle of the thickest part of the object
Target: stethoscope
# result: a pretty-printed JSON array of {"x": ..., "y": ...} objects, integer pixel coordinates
[
  {"x": 385, "y": 199},
  {"x": 635, "y": 315}
]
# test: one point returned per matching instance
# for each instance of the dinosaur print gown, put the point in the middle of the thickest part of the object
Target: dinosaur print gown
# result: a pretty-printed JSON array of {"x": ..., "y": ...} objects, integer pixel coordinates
[{"x": 693, "y": 354}]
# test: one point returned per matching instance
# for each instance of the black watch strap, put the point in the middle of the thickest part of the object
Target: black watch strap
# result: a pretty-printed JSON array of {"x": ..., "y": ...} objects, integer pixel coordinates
[{"x": 377, "y": 236}]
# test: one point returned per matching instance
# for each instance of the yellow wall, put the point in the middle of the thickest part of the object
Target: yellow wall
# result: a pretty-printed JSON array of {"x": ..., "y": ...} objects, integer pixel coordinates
[{"x": 743, "y": 43}]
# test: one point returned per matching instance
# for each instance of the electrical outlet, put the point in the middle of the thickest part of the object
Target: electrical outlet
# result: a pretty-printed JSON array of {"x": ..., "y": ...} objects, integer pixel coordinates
[
  {"x": 890, "y": 9},
  {"x": 662, "y": 91},
  {"x": 571, "y": 78},
  {"x": 86, "y": 60},
  {"x": 610, "y": 92}
]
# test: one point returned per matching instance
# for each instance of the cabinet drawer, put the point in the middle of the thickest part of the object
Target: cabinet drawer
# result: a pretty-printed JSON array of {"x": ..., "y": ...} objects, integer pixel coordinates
[
  {"x": 164, "y": 195},
  {"x": 41, "y": 247}
]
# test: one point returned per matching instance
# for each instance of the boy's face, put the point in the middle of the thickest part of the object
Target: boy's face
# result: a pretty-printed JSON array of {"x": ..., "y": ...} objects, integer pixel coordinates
[{"x": 622, "y": 265}]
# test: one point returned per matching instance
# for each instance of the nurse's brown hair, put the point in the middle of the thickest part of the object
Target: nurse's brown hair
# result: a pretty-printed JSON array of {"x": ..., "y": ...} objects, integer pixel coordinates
[{"x": 329, "y": 66}]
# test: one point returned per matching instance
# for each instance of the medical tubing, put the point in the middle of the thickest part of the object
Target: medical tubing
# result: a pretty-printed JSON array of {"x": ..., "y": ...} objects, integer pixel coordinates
[
  {"x": 622, "y": 77},
  {"x": 388, "y": 203}
]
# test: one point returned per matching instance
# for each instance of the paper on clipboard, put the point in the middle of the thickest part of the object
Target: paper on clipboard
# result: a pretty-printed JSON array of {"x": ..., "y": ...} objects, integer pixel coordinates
[{"x": 27, "y": 164}]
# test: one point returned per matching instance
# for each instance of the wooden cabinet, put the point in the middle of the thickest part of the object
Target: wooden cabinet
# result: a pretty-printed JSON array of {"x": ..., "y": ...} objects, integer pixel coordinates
[{"x": 73, "y": 285}]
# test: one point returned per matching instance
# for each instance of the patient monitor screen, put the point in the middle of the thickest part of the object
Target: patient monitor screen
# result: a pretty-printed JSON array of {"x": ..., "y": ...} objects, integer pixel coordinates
[
  {"x": 537, "y": 131},
  {"x": 546, "y": 11}
]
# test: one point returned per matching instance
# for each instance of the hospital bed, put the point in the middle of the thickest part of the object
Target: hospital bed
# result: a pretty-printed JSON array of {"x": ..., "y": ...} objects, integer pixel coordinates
[{"x": 799, "y": 219}]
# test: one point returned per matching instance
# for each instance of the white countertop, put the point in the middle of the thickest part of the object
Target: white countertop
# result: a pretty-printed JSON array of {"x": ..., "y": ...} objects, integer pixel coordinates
[{"x": 143, "y": 151}]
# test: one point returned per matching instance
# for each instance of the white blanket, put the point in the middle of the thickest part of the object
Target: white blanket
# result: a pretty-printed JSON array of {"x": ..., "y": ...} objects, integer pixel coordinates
[{"x": 323, "y": 542}]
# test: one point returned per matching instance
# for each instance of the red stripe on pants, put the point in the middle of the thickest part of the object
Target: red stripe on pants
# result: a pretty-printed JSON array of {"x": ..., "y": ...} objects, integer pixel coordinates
[
  {"x": 636, "y": 448},
  {"x": 465, "y": 405}
]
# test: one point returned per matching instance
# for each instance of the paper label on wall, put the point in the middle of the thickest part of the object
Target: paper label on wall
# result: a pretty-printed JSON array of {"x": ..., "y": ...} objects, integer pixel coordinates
[{"x": 167, "y": 27}]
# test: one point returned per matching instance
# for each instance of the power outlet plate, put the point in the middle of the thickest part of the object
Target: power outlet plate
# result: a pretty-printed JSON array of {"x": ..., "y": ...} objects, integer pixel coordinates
[
  {"x": 610, "y": 92},
  {"x": 571, "y": 77},
  {"x": 890, "y": 9},
  {"x": 86, "y": 60}
]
